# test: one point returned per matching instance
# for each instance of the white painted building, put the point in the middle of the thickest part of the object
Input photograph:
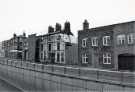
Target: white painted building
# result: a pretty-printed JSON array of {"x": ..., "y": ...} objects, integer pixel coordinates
[{"x": 54, "y": 44}]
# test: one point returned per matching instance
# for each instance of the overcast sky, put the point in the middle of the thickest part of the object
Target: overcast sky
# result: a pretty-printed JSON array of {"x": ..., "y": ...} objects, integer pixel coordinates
[{"x": 34, "y": 16}]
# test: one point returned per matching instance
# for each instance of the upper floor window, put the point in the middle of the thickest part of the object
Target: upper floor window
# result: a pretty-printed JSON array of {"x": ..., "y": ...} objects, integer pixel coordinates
[
  {"x": 121, "y": 39},
  {"x": 49, "y": 47},
  {"x": 58, "y": 57},
  {"x": 130, "y": 38},
  {"x": 106, "y": 40},
  {"x": 84, "y": 59},
  {"x": 94, "y": 41},
  {"x": 107, "y": 58},
  {"x": 84, "y": 42},
  {"x": 58, "y": 46}
]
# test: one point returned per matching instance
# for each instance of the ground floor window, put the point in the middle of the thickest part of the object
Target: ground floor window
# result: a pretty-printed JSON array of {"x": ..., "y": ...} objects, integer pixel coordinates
[
  {"x": 62, "y": 57},
  {"x": 84, "y": 59},
  {"x": 107, "y": 58},
  {"x": 45, "y": 57},
  {"x": 58, "y": 57},
  {"x": 41, "y": 56}
]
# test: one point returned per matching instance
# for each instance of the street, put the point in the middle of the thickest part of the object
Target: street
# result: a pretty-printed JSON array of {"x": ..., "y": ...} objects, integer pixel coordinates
[{"x": 5, "y": 87}]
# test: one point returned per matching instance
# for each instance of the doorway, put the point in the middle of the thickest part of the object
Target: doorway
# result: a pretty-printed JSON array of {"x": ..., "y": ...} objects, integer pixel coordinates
[{"x": 126, "y": 62}]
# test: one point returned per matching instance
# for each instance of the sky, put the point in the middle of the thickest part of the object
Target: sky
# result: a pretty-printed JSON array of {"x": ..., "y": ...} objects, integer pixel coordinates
[{"x": 34, "y": 16}]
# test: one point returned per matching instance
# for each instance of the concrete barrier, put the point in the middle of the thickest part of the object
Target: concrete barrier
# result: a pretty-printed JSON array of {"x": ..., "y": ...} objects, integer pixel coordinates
[
  {"x": 72, "y": 71},
  {"x": 38, "y": 77},
  {"x": 91, "y": 74},
  {"x": 59, "y": 69},
  {"x": 128, "y": 78},
  {"x": 39, "y": 67},
  {"x": 110, "y": 76},
  {"x": 48, "y": 68}
]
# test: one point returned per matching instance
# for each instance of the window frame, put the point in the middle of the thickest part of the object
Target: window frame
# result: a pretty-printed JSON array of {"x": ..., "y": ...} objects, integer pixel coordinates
[
  {"x": 106, "y": 40},
  {"x": 58, "y": 45},
  {"x": 121, "y": 39},
  {"x": 84, "y": 42},
  {"x": 84, "y": 59},
  {"x": 94, "y": 41},
  {"x": 58, "y": 57},
  {"x": 108, "y": 57},
  {"x": 49, "y": 47},
  {"x": 131, "y": 37},
  {"x": 62, "y": 54}
]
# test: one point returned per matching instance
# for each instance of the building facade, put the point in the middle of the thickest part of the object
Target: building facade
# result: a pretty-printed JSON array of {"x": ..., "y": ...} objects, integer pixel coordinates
[
  {"x": 14, "y": 46},
  {"x": 55, "y": 45},
  {"x": 109, "y": 47}
]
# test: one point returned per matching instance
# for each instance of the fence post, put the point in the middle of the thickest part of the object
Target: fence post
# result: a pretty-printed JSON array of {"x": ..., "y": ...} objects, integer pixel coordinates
[
  {"x": 97, "y": 74},
  {"x": 52, "y": 68},
  {"x": 79, "y": 72},
  {"x": 64, "y": 70}
]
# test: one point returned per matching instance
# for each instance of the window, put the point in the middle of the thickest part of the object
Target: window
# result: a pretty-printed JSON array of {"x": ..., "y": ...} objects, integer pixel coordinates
[
  {"x": 62, "y": 57},
  {"x": 44, "y": 55},
  {"x": 41, "y": 55},
  {"x": 49, "y": 47},
  {"x": 59, "y": 37},
  {"x": 106, "y": 40},
  {"x": 130, "y": 38},
  {"x": 121, "y": 39},
  {"x": 107, "y": 58},
  {"x": 58, "y": 46},
  {"x": 84, "y": 59},
  {"x": 94, "y": 41},
  {"x": 58, "y": 57},
  {"x": 41, "y": 47},
  {"x": 84, "y": 42}
]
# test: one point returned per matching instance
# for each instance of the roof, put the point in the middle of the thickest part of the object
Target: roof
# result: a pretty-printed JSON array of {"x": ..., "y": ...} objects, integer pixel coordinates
[
  {"x": 57, "y": 32},
  {"x": 107, "y": 27}
]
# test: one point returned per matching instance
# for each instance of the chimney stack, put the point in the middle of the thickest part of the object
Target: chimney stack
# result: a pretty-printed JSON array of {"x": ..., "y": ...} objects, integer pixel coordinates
[
  {"x": 14, "y": 35},
  {"x": 67, "y": 29},
  {"x": 24, "y": 34},
  {"x": 50, "y": 29},
  {"x": 85, "y": 25},
  {"x": 57, "y": 27}
]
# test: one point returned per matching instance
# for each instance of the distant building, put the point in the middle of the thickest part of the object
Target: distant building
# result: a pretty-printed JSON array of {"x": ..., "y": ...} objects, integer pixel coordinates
[
  {"x": 2, "y": 54},
  {"x": 109, "y": 47},
  {"x": 56, "y": 46},
  {"x": 13, "y": 47}
]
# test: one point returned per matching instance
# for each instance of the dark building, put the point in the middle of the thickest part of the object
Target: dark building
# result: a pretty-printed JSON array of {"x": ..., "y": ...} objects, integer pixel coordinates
[
  {"x": 31, "y": 48},
  {"x": 109, "y": 47},
  {"x": 14, "y": 46}
]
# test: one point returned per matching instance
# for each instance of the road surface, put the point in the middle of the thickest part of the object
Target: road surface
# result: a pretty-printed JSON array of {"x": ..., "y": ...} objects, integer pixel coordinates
[{"x": 5, "y": 87}]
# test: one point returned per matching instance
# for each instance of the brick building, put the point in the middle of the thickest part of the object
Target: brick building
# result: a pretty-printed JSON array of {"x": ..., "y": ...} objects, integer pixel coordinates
[
  {"x": 109, "y": 47},
  {"x": 13, "y": 47}
]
